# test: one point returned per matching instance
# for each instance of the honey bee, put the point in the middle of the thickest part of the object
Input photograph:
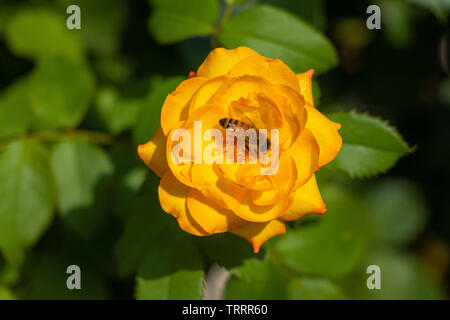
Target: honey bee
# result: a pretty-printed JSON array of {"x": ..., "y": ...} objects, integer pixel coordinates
[{"x": 230, "y": 123}]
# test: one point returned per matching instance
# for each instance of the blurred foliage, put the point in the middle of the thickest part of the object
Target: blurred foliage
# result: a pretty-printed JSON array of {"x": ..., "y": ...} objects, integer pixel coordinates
[{"x": 74, "y": 104}]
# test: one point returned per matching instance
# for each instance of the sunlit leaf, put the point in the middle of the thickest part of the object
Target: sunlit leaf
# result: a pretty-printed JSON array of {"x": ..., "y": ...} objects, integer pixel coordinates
[
  {"x": 81, "y": 171},
  {"x": 333, "y": 243},
  {"x": 174, "y": 20},
  {"x": 307, "y": 288},
  {"x": 59, "y": 92},
  {"x": 278, "y": 34},
  {"x": 117, "y": 113},
  {"x": 27, "y": 196},
  {"x": 6, "y": 294},
  {"x": 15, "y": 114},
  {"x": 313, "y": 11},
  {"x": 172, "y": 268},
  {"x": 371, "y": 146},
  {"x": 257, "y": 279},
  {"x": 39, "y": 32},
  {"x": 238, "y": 2}
]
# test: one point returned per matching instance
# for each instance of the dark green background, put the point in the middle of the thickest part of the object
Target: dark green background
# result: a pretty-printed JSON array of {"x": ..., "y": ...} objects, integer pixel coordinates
[{"x": 75, "y": 104}]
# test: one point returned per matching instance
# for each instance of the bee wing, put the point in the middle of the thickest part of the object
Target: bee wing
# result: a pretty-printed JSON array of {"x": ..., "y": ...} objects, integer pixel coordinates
[{"x": 248, "y": 121}]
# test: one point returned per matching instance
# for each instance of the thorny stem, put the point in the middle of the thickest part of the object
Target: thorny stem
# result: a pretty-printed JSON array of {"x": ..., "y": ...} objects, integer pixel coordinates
[{"x": 226, "y": 15}]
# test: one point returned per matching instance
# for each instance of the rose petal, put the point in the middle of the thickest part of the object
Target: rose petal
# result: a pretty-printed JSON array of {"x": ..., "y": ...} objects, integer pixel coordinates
[
  {"x": 266, "y": 198},
  {"x": 249, "y": 211},
  {"x": 259, "y": 109},
  {"x": 305, "y": 152},
  {"x": 172, "y": 196},
  {"x": 272, "y": 69},
  {"x": 258, "y": 233},
  {"x": 207, "y": 90},
  {"x": 286, "y": 177},
  {"x": 175, "y": 107},
  {"x": 216, "y": 187},
  {"x": 307, "y": 200},
  {"x": 153, "y": 153},
  {"x": 324, "y": 130},
  {"x": 221, "y": 60},
  {"x": 210, "y": 216},
  {"x": 181, "y": 170},
  {"x": 235, "y": 88},
  {"x": 326, "y": 133},
  {"x": 305, "y": 83}
]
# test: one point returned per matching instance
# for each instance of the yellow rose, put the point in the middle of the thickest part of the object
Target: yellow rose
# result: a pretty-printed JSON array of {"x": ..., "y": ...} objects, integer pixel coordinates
[{"x": 220, "y": 197}]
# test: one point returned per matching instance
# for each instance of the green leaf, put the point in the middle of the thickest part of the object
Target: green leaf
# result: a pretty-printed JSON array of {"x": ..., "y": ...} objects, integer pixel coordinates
[
  {"x": 143, "y": 225},
  {"x": 38, "y": 32},
  {"x": 59, "y": 92},
  {"x": 117, "y": 113},
  {"x": 100, "y": 28},
  {"x": 257, "y": 280},
  {"x": 307, "y": 288},
  {"x": 333, "y": 243},
  {"x": 313, "y": 11},
  {"x": 173, "y": 20},
  {"x": 398, "y": 211},
  {"x": 172, "y": 268},
  {"x": 398, "y": 21},
  {"x": 6, "y": 294},
  {"x": 237, "y": 2},
  {"x": 15, "y": 114},
  {"x": 149, "y": 116},
  {"x": 129, "y": 175},
  {"x": 371, "y": 146},
  {"x": 27, "y": 196},
  {"x": 10, "y": 272},
  {"x": 440, "y": 8},
  {"x": 277, "y": 34},
  {"x": 81, "y": 171},
  {"x": 6, "y": 12},
  {"x": 403, "y": 277},
  {"x": 225, "y": 249},
  {"x": 45, "y": 271}
]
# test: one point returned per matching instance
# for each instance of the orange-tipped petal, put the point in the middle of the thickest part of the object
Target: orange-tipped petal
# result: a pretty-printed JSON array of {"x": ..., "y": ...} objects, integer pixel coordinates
[
  {"x": 153, "y": 153},
  {"x": 307, "y": 200},
  {"x": 258, "y": 233},
  {"x": 173, "y": 196},
  {"x": 220, "y": 61}
]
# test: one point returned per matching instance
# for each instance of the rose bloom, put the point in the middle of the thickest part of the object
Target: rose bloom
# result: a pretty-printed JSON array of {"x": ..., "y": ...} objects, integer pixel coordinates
[{"x": 208, "y": 198}]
